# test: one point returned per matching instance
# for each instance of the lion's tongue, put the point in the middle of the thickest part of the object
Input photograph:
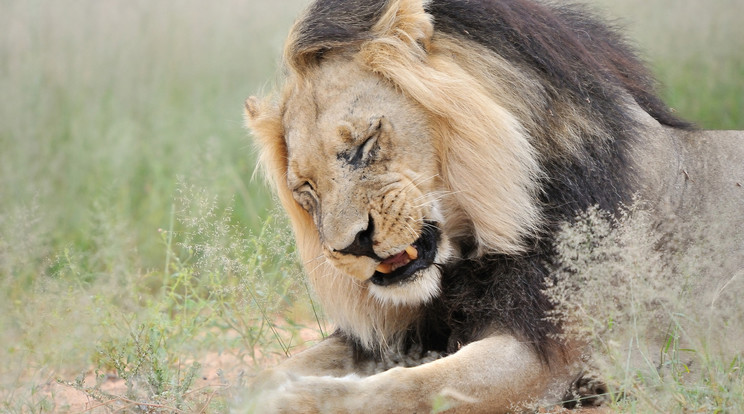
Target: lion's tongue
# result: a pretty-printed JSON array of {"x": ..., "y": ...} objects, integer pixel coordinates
[{"x": 399, "y": 260}]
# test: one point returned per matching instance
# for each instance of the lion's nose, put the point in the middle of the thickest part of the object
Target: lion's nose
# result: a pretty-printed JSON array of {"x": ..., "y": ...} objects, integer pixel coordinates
[{"x": 362, "y": 244}]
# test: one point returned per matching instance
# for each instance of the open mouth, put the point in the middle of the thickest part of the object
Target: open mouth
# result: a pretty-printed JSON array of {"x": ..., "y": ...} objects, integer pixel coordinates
[{"x": 415, "y": 257}]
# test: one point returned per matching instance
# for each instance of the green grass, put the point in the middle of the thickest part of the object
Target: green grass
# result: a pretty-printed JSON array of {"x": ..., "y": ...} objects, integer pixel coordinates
[
  {"x": 696, "y": 50},
  {"x": 133, "y": 243},
  {"x": 132, "y": 238}
]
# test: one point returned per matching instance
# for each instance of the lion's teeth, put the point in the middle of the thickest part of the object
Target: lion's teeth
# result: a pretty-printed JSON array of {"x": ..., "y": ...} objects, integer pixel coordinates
[
  {"x": 412, "y": 252},
  {"x": 384, "y": 268}
]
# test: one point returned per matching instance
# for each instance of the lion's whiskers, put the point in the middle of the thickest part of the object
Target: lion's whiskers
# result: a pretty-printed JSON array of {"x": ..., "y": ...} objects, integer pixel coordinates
[
  {"x": 433, "y": 197},
  {"x": 323, "y": 262},
  {"x": 314, "y": 259},
  {"x": 410, "y": 228},
  {"x": 418, "y": 180}
]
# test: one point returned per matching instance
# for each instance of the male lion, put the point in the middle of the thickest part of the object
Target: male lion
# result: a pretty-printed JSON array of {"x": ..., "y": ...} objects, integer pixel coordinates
[{"x": 426, "y": 153}]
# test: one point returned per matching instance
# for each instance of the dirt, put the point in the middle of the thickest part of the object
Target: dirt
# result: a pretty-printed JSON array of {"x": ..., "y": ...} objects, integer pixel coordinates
[{"x": 220, "y": 374}]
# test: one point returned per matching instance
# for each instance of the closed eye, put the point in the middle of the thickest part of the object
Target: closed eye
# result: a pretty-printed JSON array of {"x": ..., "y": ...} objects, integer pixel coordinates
[
  {"x": 362, "y": 153},
  {"x": 305, "y": 186},
  {"x": 366, "y": 147},
  {"x": 306, "y": 196}
]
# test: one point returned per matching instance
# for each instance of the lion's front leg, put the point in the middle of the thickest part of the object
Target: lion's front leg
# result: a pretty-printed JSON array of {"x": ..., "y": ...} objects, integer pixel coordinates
[{"x": 496, "y": 374}]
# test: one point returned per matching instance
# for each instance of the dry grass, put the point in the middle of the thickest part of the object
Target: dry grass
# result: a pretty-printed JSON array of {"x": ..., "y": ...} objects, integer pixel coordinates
[{"x": 664, "y": 325}]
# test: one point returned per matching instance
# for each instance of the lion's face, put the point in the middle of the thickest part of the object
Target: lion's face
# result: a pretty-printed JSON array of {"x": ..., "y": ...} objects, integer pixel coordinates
[{"x": 362, "y": 163}]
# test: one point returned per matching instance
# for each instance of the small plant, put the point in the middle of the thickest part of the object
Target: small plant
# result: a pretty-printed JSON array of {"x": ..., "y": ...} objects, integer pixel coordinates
[
  {"x": 215, "y": 279},
  {"x": 644, "y": 315}
]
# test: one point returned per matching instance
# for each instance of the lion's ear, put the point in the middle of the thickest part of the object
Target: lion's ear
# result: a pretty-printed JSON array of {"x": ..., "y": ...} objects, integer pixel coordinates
[
  {"x": 406, "y": 21},
  {"x": 262, "y": 117},
  {"x": 252, "y": 109}
]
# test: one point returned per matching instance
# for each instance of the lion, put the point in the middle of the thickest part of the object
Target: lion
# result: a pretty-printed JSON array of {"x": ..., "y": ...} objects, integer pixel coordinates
[{"x": 426, "y": 152}]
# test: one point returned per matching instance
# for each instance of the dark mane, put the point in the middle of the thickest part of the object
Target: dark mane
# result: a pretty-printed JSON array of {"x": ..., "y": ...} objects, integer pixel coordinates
[
  {"x": 575, "y": 51},
  {"x": 330, "y": 24}
]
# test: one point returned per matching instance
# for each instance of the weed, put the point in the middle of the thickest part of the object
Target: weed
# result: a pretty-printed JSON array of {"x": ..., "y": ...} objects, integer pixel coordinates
[{"x": 647, "y": 314}]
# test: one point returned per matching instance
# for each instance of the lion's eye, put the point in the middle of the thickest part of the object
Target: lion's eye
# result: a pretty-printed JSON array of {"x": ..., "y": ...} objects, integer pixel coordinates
[
  {"x": 364, "y": 152},
  {"x": 367, "y": 146},
  {"x": 305, "y": 186},
  {"x": 361, "y": 154},
  {"x": 306, "y": 196}
]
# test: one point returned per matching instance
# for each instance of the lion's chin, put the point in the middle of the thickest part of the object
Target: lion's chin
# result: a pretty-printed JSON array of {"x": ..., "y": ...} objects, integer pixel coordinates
[{"x": 424, "y": 286}]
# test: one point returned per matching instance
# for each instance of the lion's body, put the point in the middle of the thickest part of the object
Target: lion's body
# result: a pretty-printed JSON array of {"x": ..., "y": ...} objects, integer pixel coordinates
[{"x": 426, "y": 153}]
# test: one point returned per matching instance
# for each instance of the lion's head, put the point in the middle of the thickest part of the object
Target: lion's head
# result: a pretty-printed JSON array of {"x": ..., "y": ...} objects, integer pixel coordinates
[{"x": 401, "y": 142}]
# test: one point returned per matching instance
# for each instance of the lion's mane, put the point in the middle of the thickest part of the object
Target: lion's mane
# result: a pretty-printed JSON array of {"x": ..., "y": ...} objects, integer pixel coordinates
[{"x": 534, "y": 111}]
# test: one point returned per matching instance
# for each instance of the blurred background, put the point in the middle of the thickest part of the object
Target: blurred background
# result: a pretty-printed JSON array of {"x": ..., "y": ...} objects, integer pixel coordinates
[{"x": 134, "y": 245}]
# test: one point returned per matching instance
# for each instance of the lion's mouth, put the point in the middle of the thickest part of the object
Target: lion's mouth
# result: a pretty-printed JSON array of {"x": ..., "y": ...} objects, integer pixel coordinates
[{"x": 419, "y": 255}]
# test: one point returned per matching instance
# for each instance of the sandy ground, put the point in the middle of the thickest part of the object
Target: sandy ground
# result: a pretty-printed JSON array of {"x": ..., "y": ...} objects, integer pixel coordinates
[
  {"x": 212, "y": 382},
  {"x": 218, "y": 372},
  {"x": 221, "y": 375}
]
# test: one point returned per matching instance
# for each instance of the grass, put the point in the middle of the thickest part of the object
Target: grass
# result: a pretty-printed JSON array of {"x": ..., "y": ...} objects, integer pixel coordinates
[
  {"x": 132, "y": 240},
  {"x": 665, "y": 338},
  {"x": 137, "y": 257},
  {"x": 695, "y": 50}
]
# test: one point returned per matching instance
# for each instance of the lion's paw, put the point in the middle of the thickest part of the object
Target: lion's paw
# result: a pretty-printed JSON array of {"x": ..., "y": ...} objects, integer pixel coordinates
[
  {"x": 308, "y": 395},
  {"x": 587, "y": 390}
]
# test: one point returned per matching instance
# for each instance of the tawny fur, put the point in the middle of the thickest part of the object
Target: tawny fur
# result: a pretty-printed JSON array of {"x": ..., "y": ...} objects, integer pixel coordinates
[{"x": 402, "y": 113}]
